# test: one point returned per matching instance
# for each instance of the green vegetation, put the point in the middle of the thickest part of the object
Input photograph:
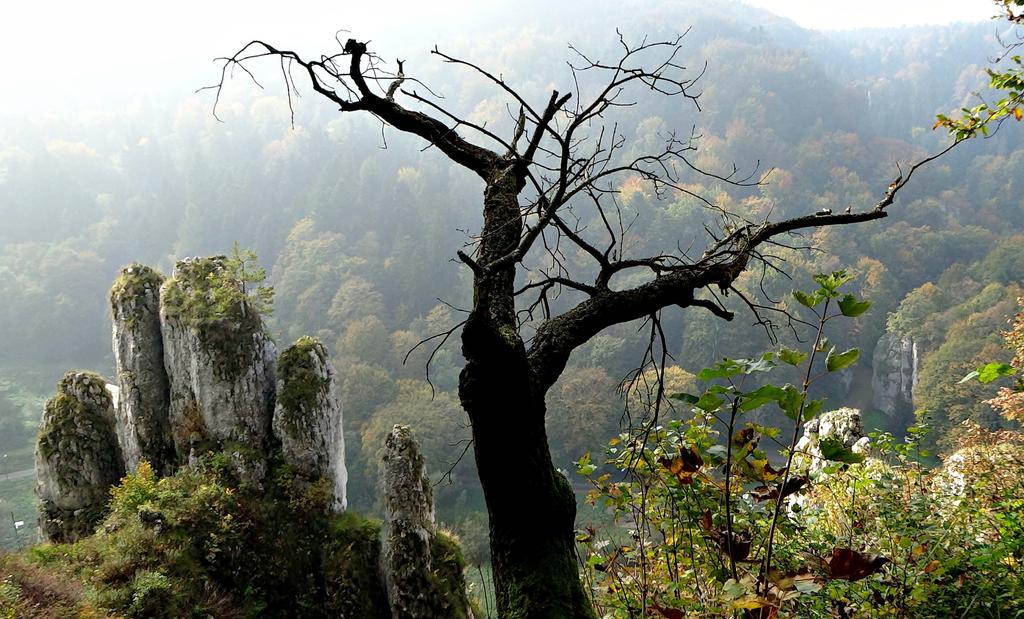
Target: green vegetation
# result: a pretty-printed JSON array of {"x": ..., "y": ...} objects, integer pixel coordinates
[
  {"x": 714, "y": 528},
  {"x": 350, "y": 568},
  {"x": 302, "y": 381},
  {"x": 68, "y": 416},
  {"x": 223, "y": 298},
  {"x": 198, "y": 544},
  {"x": 133, "y": 282}
]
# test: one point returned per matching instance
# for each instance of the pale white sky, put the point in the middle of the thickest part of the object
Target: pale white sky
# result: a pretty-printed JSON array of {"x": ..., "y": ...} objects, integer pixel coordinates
[
  {"x": 73, "y": 48},
  {"x": 849, "y": 14}
]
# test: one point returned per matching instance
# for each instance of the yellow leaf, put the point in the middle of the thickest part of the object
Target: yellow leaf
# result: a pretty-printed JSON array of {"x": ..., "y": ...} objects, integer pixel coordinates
[
  {"x": 1017, "y": 113},
  {"x": 931, "y": 567},
  {"x": 750, "y": 602}
]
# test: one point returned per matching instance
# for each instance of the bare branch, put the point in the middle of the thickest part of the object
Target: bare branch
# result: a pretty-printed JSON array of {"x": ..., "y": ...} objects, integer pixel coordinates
[{"x": 358, "y": 96}]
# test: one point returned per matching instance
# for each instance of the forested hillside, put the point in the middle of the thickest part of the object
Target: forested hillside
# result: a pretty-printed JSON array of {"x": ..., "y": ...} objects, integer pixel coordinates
[{"x": 358, "y": 228}]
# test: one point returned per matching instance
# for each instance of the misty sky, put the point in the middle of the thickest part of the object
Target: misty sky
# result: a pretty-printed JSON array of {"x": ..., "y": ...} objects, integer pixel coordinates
[
  {"x": 835, "y": 15},
  {"x": 61, "y": 51}
]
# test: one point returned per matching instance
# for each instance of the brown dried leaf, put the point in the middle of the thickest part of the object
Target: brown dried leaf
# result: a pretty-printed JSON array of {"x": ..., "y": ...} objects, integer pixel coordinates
[{"x": 851, "y": 565}]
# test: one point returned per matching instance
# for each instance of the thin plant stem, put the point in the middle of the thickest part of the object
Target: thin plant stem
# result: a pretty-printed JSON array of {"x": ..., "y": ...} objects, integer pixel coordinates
[
  {"x": 728, "y": 489},
  {"x": 792, "y": 447}
]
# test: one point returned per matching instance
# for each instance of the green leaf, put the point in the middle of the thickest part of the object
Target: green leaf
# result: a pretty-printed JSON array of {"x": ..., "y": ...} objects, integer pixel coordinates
[
  {"x": 689, "y": 398},
  {"x": 970, "y": 376},
  {"x": 830, "y": 283},
  {"x": 764, "y": 364},
  {"x": 584, "y": 466},
  {"x": 760, "y": 397},
  {"x": 792, "y": 357},
  {"x": 726, "y": 368},
  {"x": 808, "y": 300},
  {"x": 850, "y": 306},
  {"x": 991, "y": 371},
  {"x": 790, "y": 402},
  {"x": 805, "y": 585},
  {"x": 813, "y": 408},
  {"x": 834, "y": 450},
  {"x": 837, "y": 361},
  {"x": 709, "y": 402}
]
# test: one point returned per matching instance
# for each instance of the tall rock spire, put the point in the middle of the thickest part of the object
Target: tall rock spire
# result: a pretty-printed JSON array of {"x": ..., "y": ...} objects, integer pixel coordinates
[
  {"x": 422, "y": 565},
  {"x": 308, "y": 416},
  {"x": 143, "y": 406},
  {"x": 219, "y": 361}
]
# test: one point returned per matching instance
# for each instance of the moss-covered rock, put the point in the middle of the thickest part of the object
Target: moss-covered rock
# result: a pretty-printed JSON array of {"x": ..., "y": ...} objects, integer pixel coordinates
[
  {"x": 199, "y": 543},
  {"x": 308, "y": 416},
  {"x": 219, "y": 359},
  {"x": 130, "y": 290},
  {"x": 203, "y": 296},
  {"x": 78, "y": 458}
]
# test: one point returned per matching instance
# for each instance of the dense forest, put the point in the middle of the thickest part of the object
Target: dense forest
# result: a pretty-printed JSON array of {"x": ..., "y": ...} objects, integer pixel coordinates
[{"x": 358, "y": 229}]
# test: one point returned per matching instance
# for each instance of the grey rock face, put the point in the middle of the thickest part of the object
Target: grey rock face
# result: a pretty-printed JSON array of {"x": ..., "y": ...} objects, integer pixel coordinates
[
  {"x": 844, "y": 425},
  {"x": 78, "y": 458},
  {"x": 143, "y": 408},
  {"x": 894, "y": 373},
  {"x": 308, "y": 416},
  {"x": 411, "y": 557},
  {"x": 219, "y": 362}
]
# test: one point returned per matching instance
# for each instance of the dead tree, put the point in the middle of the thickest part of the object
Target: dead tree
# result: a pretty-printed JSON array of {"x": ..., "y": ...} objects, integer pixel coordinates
[{"x": 562, "y": 156}]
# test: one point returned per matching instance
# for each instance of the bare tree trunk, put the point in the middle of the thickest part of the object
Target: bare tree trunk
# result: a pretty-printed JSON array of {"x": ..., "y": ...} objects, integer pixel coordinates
[{"x": 531, "y": 506}]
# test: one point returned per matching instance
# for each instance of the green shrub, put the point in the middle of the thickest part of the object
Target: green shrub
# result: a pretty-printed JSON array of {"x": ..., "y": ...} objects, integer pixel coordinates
[{"x": 10, "y": 594}]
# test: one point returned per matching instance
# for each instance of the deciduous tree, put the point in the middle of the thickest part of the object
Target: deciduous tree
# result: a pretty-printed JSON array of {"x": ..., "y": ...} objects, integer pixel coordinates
[{"x": 562, "y": 157}]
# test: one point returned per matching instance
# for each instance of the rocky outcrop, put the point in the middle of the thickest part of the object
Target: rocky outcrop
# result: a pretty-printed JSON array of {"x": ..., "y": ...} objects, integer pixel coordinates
[
  {"x": 894, "y": 375},
  {"x": 308, "y": 416},
  {"x": 143, "y": 407},
  {"x": 422, "y": 566},
  {"x": 843, "y": 425},
  {"x": 196, "y": 374},
  {"x": 219, "y": 361},
  {"x": 78, "y": 458}
]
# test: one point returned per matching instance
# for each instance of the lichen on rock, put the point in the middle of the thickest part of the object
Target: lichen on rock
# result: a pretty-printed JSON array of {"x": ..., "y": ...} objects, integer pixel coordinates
[
  {"x": 78, "y": 459},
  {"x": 308, "y": 416},
  {"x": 219, "y": 359},
  {"x": 143, "y": 408}
]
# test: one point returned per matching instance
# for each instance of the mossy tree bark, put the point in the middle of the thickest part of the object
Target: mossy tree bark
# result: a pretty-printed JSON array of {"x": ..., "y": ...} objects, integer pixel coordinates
[{"x": 577, "y": 160}]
